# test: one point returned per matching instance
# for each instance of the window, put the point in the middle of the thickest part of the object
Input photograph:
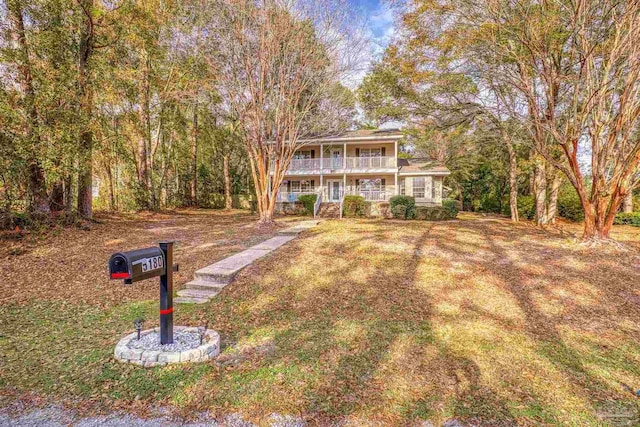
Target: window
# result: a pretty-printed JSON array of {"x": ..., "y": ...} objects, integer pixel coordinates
[
  {"x": 370, "y": 184},
  {"x": 301, "y": 186},
  {"x": 370, "y": 152},
  {"x": 418, "y": 187},
  {"x": 302, "y": 154}
]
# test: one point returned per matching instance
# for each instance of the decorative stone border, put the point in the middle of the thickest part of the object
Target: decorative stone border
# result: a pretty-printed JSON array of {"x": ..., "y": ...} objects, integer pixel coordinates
[{"x": 150, "y": 358}]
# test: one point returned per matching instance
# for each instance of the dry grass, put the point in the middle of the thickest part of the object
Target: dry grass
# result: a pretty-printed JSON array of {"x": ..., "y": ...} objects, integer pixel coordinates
[{"x": 374, "y": 321}]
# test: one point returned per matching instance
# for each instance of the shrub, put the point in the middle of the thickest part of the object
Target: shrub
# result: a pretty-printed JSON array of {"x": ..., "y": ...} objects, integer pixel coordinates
[
  {"x": 354, "y": 206},
  {"x": 408, "y": 202},
  {"x": 632, "y": 218},
  {"x": 452, "y": 207},
  {"x": 526, "y": 207},
  {"x": 434, "y": 213},
  {"x": 489, "y": 203},
  {"x": 399, "y": 211},
  {"x": 569, "y": 205},
  {"x": 308, "y": 200}
]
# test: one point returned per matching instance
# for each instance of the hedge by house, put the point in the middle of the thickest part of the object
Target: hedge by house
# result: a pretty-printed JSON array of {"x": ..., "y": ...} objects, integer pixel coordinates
[
  {"x": 452, "y": 207},
  {"x": 308, "y": 201},
  {"x": 403, "y": 207},
  {"x": 354, "y": 206}
]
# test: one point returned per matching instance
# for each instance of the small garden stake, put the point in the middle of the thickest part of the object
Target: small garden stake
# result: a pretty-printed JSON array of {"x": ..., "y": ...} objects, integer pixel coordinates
[{"x": 138, "y": 324}]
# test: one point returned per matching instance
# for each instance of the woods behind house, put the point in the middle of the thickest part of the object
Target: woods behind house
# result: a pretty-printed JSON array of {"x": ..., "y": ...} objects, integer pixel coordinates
[{"x": 533, "y": 106}]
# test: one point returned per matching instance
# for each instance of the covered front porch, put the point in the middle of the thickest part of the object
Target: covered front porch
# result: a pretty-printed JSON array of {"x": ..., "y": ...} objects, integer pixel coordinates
[{"x": 333, "y": 188}]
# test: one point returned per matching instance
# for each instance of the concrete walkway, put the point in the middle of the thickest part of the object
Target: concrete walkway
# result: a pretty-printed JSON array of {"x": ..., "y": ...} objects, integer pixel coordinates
[{"x": 210, "y": 280}]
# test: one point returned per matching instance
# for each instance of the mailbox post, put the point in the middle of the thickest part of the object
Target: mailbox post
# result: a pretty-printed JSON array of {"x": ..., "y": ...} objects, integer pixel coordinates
[
  {"x": 166, "y": 296},
  {"x": 142, "y": 264}
]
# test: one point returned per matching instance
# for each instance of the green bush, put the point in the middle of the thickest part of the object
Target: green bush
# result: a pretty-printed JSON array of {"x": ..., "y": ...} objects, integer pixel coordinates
[
  {"x": 408, "y": 202},
  {"x": 632, "y": 218},
  {"x": 569, "y": 205},
  {"x": 399, "y": 211},
  {"x": 354, "y": 206},
  {"x": 489, "y": 203},
  {"x": 526, "y": 207},
  {"x": 308, "y": 200},
  {"x": 452, "y": 207},
  {"x": 434, "y": 213}
]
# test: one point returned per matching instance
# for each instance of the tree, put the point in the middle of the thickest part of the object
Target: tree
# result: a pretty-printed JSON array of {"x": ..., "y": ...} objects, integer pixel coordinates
[
  {"x": 85, "y": 52},
  {"x": 39, "y": 202},
  {"x": 576, "y": 66},
  {"x": 278, "y": 63}
]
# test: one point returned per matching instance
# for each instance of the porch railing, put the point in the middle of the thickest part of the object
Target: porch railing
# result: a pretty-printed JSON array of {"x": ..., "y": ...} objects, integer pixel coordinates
[
  {"x": 373, "y": 195},
  {"x": 335, "y": 163},
  {"x": 304, "y": 164},
  {"x": 316, "y": 206},
  {"x": 370, "y": 162},
  {"x": 291, "y": 196}
]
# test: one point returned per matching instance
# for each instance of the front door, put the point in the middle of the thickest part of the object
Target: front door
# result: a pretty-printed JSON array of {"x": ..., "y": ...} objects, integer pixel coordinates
[
  {"x": 335, "y": 187},
  {"x": 336, "y": 159}
]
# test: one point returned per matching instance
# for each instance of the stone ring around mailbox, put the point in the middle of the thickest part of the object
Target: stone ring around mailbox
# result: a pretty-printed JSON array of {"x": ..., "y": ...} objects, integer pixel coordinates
[{"x": 157, "y": 346}]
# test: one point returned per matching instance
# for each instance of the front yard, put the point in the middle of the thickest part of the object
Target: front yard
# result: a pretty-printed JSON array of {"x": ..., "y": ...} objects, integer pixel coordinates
[{"x": 357, "y": 320}]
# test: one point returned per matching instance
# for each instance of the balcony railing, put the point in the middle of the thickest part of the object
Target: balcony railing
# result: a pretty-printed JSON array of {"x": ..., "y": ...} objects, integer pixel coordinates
[
  {"x": 334, "y": 163},
  {"x": 304, "y": 164},
  {"x": 371, "y": 162}
]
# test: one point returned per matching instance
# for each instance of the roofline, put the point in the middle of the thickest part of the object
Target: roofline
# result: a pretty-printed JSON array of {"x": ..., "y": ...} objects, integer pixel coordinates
[
  {"x": 437, "y": 173},
  {"x": 395, "y": 137}
]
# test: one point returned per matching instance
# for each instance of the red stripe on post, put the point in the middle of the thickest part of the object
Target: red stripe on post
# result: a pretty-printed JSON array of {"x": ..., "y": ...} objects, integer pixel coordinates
[
  {"x": 119, "y": 275},
  {"x": 167, "y": 311}
]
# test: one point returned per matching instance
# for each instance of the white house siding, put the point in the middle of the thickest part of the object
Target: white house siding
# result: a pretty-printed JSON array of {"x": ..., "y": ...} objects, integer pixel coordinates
[{"x": 432, "y": 190}]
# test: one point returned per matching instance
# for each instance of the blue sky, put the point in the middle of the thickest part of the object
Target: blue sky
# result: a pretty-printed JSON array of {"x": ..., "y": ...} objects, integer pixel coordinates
[{"x": 379, "y": 19}]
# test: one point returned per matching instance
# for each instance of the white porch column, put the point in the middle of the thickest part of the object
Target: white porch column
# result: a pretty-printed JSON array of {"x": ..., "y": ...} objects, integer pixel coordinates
[
  {"x": 396, "y": 159},
  {"x": 344, "y": 156},
  {"x": 344, "y": 183},
  {"x": 321, "y": 166},
  {"x": 397, "y": 187}
]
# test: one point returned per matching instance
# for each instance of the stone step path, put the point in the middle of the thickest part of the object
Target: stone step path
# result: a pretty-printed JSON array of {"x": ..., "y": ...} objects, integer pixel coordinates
[{"x": 210, "y": 280}]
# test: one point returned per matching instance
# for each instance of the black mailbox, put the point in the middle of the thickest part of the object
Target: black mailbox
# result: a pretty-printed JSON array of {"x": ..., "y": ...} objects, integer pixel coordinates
[{"x": 137, "y": 265}]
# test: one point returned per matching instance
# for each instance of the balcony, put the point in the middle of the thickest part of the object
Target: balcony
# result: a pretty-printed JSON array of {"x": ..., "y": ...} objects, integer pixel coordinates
[{"x": 339, "y": 163}]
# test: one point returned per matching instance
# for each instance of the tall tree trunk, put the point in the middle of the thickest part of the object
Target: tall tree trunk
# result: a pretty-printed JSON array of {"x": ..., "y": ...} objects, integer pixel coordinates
[
  {"x": 56, "y": 197},
  {"x": 194, "y": 158},
  {"x": 513, "y": 182},
  {"x": 39, "y": 202},
  {"x": 68, "y": 192},
  {"x": 85, "y": 170},
  {"x": 540, "y": 191},
  {"x": 552, "y": 207},
  {"x": 627, "y": 203},
  {"x": 227, "y": 182}
]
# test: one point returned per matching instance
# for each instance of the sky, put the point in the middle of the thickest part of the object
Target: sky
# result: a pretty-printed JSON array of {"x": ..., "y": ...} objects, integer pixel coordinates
[{"x": 380, "y": 26}]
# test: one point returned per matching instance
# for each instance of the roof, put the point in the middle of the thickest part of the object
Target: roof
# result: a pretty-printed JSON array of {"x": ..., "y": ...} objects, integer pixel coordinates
[
  {"x": 421, "y": 166},
  {"x": 361, "y": 134}
]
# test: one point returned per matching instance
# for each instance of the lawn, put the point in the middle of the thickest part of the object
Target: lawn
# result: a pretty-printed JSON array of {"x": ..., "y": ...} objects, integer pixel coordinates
[{"x": 374, "y": 322}]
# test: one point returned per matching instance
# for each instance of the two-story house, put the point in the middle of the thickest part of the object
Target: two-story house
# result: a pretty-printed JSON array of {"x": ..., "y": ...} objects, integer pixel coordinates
[{"x": 364, "y": 163}]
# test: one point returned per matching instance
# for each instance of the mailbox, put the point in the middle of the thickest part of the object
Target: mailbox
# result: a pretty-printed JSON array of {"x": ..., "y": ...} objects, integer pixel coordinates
[
  {"x": 137, "y": 265},
  {"x": 141, "y": 264}
]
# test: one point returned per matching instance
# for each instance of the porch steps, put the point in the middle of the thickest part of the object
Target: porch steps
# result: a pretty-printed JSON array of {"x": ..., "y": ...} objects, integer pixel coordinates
[
  {"x": 329, "y": 210},
  {"x": 210, "y": 280}
]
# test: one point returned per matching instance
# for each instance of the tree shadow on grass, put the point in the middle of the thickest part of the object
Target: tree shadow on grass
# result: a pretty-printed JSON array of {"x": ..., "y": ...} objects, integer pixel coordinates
[{"x": 541, "y": 327}]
